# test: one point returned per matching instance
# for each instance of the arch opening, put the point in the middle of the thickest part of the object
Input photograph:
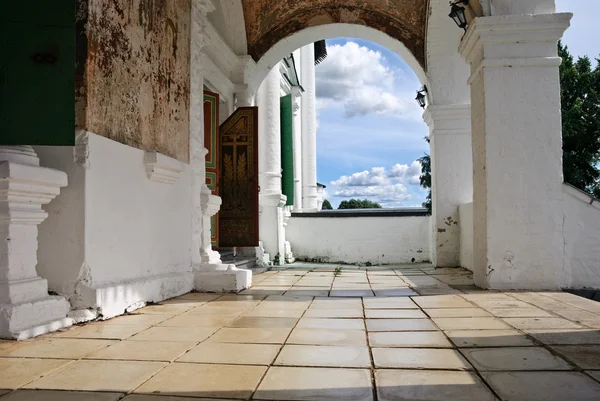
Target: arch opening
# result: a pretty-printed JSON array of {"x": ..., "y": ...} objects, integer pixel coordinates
[{"x": 331, "y": 31}]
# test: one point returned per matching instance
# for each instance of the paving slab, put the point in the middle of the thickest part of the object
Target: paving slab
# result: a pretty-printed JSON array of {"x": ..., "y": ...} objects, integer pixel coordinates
[
  {"x": 93, "y": 375},
  {"x": 50, "y": 395},
  {"x": 419, "y": 358},
  {"x": 410, "y": 385},
  {"x": 315, "y": 384},
  {"x": 324, "y": 356},
  {"x": 514, "y": 359},
  {"x": 543, "y": 386},
  {"x": 233, "y": 354},
  {"x": 409, "y": 339},
  {"x": 200, "y": 380}
]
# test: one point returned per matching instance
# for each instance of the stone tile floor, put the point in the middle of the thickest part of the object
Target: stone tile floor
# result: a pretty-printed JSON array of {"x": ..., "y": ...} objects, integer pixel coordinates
[{"x": 305, "y": 333}]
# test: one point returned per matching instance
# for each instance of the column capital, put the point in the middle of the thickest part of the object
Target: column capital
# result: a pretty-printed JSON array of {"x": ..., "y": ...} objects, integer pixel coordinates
[
  {"x": 209, "y": 203},
  {"x": 244, "y": 72},
  {"x": 514, "y": 40},
  {"x": 296, "y": 99},
  {"x": 451, "y": 118},
  {"x": 24, "y": 188},
  {"x": 243, "y": 96}
]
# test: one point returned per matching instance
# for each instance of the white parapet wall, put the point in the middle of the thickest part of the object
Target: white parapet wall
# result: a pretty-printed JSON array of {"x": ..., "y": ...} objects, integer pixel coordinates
[
  {"x": 361, "y": 236},
  {"x": 581, "y": 230},
  {"x": 120, "y": 234},
  {"x": 465, "y": 215}
]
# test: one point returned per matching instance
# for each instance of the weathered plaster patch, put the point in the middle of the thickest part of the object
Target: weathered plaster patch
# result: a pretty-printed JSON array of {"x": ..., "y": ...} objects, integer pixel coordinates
[{"x": 133, "y": 73}]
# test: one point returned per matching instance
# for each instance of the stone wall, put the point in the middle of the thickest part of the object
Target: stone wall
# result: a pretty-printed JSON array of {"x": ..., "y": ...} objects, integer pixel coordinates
[
  {"x": 582, "y": 240},
  {"x": 133, "y": 73},
  {"x": 367, "y": 237},
  {"x": 120, "y": 233}
]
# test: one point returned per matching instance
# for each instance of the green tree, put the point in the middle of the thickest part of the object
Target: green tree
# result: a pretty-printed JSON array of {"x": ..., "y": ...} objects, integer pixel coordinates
[
  {"x": 326, "y": 205},
  {"x": 359, "y": 204},
  {"x": 425, "y": 178},
  {"x": 580, "y": 102}
]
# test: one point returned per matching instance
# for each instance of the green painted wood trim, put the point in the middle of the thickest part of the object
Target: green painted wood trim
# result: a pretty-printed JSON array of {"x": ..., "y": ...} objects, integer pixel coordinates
[
  {"x": 37, "y": 73},
  {"x": 287, "y": 149}
]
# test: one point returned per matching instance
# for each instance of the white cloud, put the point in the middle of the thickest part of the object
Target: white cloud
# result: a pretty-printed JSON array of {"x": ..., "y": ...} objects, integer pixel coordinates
[
  {"x": 355, "y": 78},
  {"x": 407, "y": 173},
  {"x": 387, "y": 187}
]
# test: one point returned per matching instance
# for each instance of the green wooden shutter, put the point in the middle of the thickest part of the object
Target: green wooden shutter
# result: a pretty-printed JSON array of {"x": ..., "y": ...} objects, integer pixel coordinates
[
  {"x": 287, "y": 149},
  {"x": 37, "y": 72}
]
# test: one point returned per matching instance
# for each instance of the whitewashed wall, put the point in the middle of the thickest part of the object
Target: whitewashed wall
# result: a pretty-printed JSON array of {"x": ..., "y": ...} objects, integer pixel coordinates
[
  {"x": 377, "y": 240},
  {"x": 465, "y": 213},
  {"x": 114, "y": 237},
  {"x": 582, "y": 240}
]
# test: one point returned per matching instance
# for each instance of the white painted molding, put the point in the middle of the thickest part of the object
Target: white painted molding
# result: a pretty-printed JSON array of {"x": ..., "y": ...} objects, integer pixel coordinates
[
  {"x": 448, "y": 119},
  {"x": 218, "y": 49},
  {"x": 513, "y": 30},
  {"x": 214, "y": 74},
  {"x": 24, "y": 189},
  {"x": 21, "y": 154},
  {"x": 161, "y": 168},
  {"x": 245, "y": 70},
  {"x": 296, "y": 100}
]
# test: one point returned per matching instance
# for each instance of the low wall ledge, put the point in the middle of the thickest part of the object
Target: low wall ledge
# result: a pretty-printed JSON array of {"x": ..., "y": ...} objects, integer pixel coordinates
[{"x": 345, "y": 213}]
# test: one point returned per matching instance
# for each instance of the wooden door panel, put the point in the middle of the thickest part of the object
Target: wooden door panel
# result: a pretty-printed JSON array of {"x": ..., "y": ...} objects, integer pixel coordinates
[{"x": 238, "y": 179}]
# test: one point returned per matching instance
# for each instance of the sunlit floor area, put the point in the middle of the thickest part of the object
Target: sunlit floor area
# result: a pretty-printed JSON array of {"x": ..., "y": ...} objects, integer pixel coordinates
[{"x": 324, "y": 332}]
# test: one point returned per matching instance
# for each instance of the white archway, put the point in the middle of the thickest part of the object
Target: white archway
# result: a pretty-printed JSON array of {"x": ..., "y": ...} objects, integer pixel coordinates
[{"x": 330, "y": 31}]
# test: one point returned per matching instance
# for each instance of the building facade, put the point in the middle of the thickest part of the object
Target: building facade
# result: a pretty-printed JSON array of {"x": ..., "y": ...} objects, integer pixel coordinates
[{"x": 112, "y": 193}]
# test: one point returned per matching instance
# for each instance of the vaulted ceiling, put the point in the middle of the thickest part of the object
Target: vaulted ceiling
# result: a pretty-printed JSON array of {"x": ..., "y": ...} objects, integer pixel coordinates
[{"x": 269, "y": 21}]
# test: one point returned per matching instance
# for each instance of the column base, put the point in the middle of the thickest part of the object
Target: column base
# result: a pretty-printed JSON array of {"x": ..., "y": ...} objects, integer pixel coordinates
[
  {"x": 222, "y": 278},
  {"x": 31, "y": 319}
]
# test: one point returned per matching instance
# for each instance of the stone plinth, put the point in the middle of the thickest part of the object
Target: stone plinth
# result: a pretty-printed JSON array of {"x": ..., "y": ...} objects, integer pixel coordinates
[{"x": 26, "y": 309}]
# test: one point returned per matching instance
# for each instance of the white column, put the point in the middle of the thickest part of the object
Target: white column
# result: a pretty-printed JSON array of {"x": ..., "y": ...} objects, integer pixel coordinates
[
  {"x": 451, "y": 178},
  {"x": 209, "y": 273},
  {"x": 517, "y": 157},
  {"x": 243, "y": 96},
  {"x": 197, "y": 150},
  {"x": 297, "y": 146},
  {"x": 309, "y": 129},
  {"x": 271, "y": 198},
  {"x": 26, "y": 309}
]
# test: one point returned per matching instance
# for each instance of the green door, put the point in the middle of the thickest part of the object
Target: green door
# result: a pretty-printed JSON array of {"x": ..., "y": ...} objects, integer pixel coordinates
[
  {"x": 37, "y": 72},
  {"x": 287, "y": 150}
]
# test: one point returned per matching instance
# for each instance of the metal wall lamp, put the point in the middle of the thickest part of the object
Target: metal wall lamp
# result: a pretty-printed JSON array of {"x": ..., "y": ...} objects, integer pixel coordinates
[
  {"x": 422, "y": 97},
  {"x": 458, "y": 13}
]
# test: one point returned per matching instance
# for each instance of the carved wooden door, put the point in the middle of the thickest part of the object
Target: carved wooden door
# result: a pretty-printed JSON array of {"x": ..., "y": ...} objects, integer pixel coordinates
[
  {"x": 238, "y": 179},
  {"x": 211, "y": 142}
]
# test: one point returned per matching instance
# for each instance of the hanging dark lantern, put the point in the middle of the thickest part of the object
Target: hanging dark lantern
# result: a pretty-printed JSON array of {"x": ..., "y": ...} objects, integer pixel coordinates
[
  {"x": 422, "y": 97},
  {"x": 458, "y": 13}
]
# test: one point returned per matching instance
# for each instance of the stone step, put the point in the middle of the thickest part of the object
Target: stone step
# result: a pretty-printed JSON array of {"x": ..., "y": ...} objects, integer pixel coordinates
[
  {"x": 239, "y": 263},
  {"x": 226, "y": 254}
]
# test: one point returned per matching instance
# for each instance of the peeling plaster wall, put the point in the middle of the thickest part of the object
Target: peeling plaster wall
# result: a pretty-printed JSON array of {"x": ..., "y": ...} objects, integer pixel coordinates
[
  {"x": 269, "y": 21},
  {"x": 133, "y": 73},
  {"x": 387, "y": 240}
]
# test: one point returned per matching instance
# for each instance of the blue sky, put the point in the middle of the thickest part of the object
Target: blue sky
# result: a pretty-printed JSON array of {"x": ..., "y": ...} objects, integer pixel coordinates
[{"x": 370, "y": 130}]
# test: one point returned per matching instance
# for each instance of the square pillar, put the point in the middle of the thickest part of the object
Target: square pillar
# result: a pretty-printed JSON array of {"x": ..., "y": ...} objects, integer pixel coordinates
[
  {"x": 517, "y": 150},
  {"x": 451, "y": 178},
  {"x": 26, "y": 309}
]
